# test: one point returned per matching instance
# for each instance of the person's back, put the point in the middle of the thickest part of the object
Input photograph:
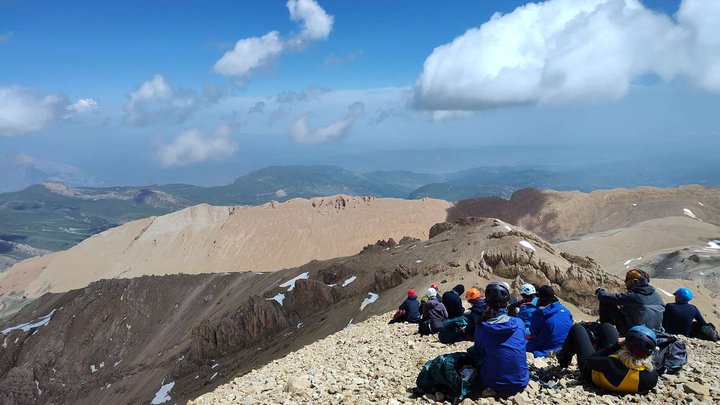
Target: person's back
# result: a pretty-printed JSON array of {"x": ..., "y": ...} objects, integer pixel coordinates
[
  {"x": 526, "y": 311},
  {"x": 434, "y": 309},
  {"x": 453, "y": 301},
  {"x": 476, "y": 312},
  {"x": 678, "y": 318},
  {"x": 549, "y": 327},
  {"x": 500, "y": 345},
  {"x": 411, "y": 306}
]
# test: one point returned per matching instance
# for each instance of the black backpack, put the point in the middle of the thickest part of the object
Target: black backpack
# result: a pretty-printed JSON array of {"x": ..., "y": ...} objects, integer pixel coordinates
[
  {"x": 431, "y": 326},
  {"x": 670, "y": 355},
  {"x": 704, "y": 332}
]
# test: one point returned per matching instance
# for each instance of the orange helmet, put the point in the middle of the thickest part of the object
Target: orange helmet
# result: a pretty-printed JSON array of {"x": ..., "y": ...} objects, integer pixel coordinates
[{"x": 472, "y": 294}]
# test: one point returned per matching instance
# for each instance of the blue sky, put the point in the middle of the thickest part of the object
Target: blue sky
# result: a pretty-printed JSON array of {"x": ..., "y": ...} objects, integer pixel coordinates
[{"x": 346, "y": 78}]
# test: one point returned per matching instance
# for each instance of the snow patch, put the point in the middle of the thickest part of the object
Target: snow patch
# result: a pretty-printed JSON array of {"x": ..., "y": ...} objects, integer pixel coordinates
[
  {"x": 690, "y": 214},
  {"x": 4, "y": 345},
  {"x": 665, "y": 292},
  {"x": 528, "y": 245},
  {"x": 280, "y": 297},
  {"x": 348, "y": 281},
  {"x": 290, "y": 284},
  {"x": 162, "y": 395},
  {"x": 37, "y": 386},
  {"x": 627, "y": 262},
  {"x": 508, "y": 228},
  {"x": 634, "y": 205},
  {"x": 418, "y": 261},
  {"x": 701, "y": 204},
  {"x": 216, "y": 365},
  {"x": 42, "y": 321},
  {"x": 299, "y": 325},
  {"x": 117, "y": 362},
  {"x": 181, "y": 358},
  {"x": 93, "y": 369},
  {"x": 369, "y": 300},
  {"x": 349, "y": 323},
  {"x": 213, "y": 376}
]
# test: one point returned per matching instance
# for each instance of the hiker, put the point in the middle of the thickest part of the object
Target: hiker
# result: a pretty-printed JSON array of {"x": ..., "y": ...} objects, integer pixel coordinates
[
  {"x": 453, "y": 301},
  {"x": 478, "y": 306},
  {"x": 549, "y": 324},
  {"x": 409, "y": 310},
  {"x": 434, "y": 314},
  {"x": 639, "y": 305},
  {"x": 681, "y": 317},
  {"x": 499, "y": 349},
  {"x": 527, "y": 305},
  {"x": 424, "y": 299},
  {"x": 622, "y": 365}
]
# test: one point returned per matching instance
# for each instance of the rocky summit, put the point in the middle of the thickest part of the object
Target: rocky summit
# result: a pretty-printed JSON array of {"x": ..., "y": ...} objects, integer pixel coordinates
[{"x": 376, "y": 363}]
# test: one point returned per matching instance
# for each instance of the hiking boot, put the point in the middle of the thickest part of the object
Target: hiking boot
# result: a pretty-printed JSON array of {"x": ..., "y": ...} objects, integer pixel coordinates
[
  {"x": 561, "y": 358},
  {"x": 488, "y": 392}
]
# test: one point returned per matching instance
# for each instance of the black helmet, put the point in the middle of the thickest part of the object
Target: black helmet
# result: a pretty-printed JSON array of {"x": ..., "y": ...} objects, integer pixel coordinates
[
  {"x": 641, "y": 341},
  {"x": 497, "y": 293}
]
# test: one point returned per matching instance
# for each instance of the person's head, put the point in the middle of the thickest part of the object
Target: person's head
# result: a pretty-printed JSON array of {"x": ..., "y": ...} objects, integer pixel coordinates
[
  {"x": 527, "y": 291},
  {"x": 411, "y": 293},
  {"x": 635, "y": 276},
  {"x": 431, "y": 292},
  {"x": 640, "y": 341},
  {"x": 473, "y": 294},
  {"x": 546, "y": 296},
  {"x": 435, "y": 286},
  {"x": 683, "y": 295},
  {"x": 497, "y": 294},
  {"x": 460, "y": 289}
]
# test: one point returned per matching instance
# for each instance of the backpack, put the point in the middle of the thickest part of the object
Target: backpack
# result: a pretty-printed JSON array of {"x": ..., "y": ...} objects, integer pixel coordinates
[
  {"x": 704, "y": 332},
  {"x": 670, "y": 355},
  {"x": 453, "y": 330},
  {"x": 431, "y": 326},
  {"x": 453, "y": 374}
]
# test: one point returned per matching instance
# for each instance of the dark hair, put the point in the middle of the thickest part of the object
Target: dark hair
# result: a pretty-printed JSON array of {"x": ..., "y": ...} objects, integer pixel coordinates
[{"x": 492, "y": 310}]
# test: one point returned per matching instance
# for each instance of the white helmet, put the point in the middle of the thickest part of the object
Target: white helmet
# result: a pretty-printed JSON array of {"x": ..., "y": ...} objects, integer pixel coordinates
[
  {"x": 527, "y": 289},
  {"x": 431, "y": 292}
]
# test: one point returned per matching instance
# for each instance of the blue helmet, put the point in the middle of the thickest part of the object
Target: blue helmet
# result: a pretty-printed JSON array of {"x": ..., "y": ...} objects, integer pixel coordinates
[
  {"x": 640, "y": 340},
  {"x": 684, "y": 294}
]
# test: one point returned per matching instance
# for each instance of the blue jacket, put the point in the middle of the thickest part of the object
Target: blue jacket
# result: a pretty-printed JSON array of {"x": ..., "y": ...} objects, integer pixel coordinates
[
  {"x": 550, "y": 326},
  {"x": 411, "y": 306},
  {"x": 526, "y": 312},
  {"x": 453, "y": 304},
  {"x": 500, "y": 346}
]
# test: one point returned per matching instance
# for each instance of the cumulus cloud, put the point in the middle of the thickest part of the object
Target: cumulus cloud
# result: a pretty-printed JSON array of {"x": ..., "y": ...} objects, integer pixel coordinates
[
  {"x": 24, "y": 110},
  {"x": 157, "y": 101},
  {"x": 300, "y": 131},
  {"x": 194, "y": 146},
  {"x": 563, "y": 51},
  {"x": 252, "y": 53}
]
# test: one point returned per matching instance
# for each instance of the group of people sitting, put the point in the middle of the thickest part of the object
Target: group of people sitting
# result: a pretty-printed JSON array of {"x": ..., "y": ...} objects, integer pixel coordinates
[{"x": 614, "y": 353}]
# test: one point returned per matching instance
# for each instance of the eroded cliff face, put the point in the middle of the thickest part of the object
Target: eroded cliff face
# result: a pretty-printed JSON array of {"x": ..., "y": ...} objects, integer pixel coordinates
[{"x": 119, "y": 341}]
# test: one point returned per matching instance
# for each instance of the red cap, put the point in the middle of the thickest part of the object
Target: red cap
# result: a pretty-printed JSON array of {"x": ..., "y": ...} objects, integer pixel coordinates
[
  {"x": 411, "y": 293},
  {"x": 435, "y": 286}
]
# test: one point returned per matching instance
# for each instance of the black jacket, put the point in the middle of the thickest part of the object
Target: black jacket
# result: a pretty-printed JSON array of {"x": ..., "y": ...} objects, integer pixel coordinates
[
  {"x": 641, "y": 305},
  {"x": 453, "y": 304},
  {"x": 678, "y": 318},
  {"x": 611, "y": 374}
]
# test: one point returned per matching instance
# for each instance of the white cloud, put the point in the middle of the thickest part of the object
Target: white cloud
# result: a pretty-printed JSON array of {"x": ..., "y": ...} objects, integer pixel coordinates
[
  {"x": 253, "y": 53},
  {"x": 156, "y": 101},
  {"x": 194, "y": 146},
  {"x": 84, "y": 105},
  {"x": 249, "y": 54},
  {"x": 24, "y": 110},
  {"x": 563, "y": 51},
  {"x": 442, "y": 115},
  {"x": 300, "y": 131},
  {"x": 316, "y": 23}
]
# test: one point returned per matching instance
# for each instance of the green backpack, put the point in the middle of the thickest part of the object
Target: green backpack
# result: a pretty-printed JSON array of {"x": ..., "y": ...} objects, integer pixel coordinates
[
  {"x": 453, "y": 374},
  {"x": 453, "y": 330}
]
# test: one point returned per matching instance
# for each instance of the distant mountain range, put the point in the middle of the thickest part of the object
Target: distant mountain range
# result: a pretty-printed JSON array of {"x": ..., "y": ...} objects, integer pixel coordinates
[{"x": 54, "y": 216}]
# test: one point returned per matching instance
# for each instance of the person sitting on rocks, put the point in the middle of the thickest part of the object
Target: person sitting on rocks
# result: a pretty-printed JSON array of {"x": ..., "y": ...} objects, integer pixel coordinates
[
  {"x": 639, "y": 305},
  {"x": 425, "y": 297},
  {"x": 549, "y": 325},
  {"x": 527, "y": 305},
  {"x": 434, "y": 314},
  {"x": 409, "y": 310},
  {"x": 681, "y": 317},
  {"x": 478, "y": 306},
  {"x": 453, "y": 301},
  {"x": 622, "y": 365},
  {"x": 499, "y": 349}
]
